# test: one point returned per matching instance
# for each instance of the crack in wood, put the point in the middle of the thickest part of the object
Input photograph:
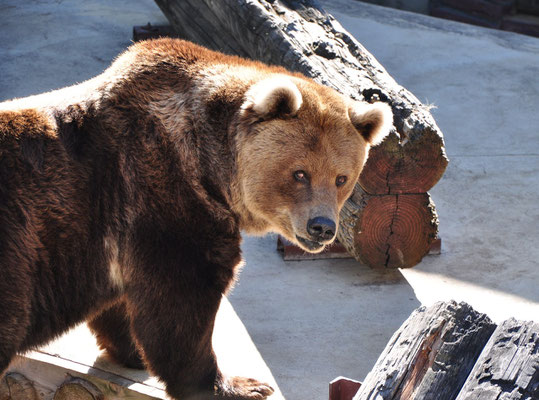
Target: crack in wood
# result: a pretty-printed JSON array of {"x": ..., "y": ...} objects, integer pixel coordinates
[{"x": 391, "y": 232}]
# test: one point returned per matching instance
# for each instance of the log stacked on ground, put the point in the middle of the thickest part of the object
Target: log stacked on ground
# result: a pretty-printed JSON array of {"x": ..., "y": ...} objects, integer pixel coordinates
[
  {"x": 302, "y": 37},
  {"x": 430, "y": 356},
  {"x": 392, "y": 230},
  {"x": 451, "y": 352}
]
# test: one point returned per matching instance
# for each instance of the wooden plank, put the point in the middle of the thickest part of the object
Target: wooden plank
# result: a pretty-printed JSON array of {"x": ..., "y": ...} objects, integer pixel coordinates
[
  {"x": 522, "y": 23},
  {"x": 342, "y": 388},
  {"x": 430, "y": 356},
  {"x": 462, "y": 16},
  {"x": 49, "y": 372},
  {"x": 492, "y": 10},
  {"x": 508, "y": 367}
]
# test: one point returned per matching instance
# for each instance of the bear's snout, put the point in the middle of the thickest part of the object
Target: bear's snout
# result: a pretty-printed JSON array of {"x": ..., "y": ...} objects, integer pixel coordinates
[{"x": 321, "y": 229}]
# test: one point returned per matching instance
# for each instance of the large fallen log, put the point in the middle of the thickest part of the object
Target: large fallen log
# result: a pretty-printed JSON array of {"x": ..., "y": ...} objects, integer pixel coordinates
[
  {"x": 302, "y": 37},
  {"x": 430, "y": 356},
  {"x": 451, "y": 352}
]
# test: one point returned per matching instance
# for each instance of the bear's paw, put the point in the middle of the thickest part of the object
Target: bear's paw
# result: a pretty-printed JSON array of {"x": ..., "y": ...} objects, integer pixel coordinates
[{"x": 240, "y": 388}]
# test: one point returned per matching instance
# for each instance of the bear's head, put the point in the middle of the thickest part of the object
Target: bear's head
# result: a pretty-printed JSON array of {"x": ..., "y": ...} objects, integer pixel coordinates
[{"x": 301, "y": 148}]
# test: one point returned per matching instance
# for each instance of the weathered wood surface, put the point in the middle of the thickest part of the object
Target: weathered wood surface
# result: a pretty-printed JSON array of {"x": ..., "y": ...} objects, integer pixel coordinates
[
  {"x": 301, "y": 36},
  {"x": 508, "y": 368},
  {"x": 14, "y": 386},
  {"x": 48, "y": 373},
  {"x": 78, "y": 389},
  {"x": 430, "y": 356}
]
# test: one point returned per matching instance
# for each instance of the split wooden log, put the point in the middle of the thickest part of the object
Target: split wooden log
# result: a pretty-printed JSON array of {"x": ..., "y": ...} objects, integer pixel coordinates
[
  {"x": 430, "y": 356},
  {"x": 508, "y": 367},
  {"x": 300, "y": 36}
]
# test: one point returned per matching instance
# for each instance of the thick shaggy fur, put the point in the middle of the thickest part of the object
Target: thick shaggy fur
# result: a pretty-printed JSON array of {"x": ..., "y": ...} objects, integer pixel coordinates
[{"x": 122, "y": 200}]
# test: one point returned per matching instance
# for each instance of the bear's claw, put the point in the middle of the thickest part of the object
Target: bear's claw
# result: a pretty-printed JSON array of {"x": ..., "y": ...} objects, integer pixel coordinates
[{"x": 245, "y": 389}]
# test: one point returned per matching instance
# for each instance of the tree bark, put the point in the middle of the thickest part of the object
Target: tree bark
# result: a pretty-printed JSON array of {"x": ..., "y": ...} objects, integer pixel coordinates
[
  {"x": 430, "y": 356},
  {"x": 301, "y": 36}
]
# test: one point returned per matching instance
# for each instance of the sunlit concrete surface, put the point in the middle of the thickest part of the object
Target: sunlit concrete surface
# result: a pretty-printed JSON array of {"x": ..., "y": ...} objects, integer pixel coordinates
[
  {"x": 314, "y": 320},
  {"x": 485, "y": 85}
]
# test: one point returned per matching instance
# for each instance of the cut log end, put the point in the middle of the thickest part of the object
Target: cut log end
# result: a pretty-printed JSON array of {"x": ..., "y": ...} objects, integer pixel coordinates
[
  {"x": 391, "y": 231},
  {"x": 15, "y": 386},
  {"x": 412, "y": 167},
  {"x": 78, "y": 389}
]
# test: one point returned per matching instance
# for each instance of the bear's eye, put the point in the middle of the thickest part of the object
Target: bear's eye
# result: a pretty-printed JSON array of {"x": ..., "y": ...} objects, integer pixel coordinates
[
  {"x": 301, "y": 176},
  {"x": 341, "y": 180}
]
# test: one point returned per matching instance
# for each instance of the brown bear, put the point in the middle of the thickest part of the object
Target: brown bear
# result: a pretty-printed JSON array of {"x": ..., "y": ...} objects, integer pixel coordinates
[{"x": 122, "y": 200}]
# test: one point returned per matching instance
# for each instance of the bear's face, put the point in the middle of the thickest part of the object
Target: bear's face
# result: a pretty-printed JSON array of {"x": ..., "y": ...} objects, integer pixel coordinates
[{"x": 303, "y": 148}]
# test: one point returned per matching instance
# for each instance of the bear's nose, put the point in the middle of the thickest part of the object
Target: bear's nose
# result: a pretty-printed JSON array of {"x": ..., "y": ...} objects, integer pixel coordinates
[{"x": 321, "y": 228}]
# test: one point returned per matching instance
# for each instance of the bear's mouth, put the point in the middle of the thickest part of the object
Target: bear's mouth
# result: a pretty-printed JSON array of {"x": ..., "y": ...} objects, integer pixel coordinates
[{"x": 309, "y": 244}]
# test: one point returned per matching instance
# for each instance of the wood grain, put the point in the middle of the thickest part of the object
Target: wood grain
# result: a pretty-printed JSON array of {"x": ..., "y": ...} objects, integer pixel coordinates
[
  {"x": 430, "y": 356},
  {"x": 508, "y": 367},
  {"x": 78, "y": 389},
  {"x": 14, "y": 386},
  {"x": 391, "y": 231}
]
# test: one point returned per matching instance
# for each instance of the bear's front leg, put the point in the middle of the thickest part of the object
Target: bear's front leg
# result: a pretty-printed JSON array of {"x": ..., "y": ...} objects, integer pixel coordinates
[
  {"x": 113, "y": 333},
  {"x": 173, "y": 294}
]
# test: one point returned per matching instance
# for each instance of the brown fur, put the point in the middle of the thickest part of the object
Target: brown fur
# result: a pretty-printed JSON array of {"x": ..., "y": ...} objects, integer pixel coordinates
[{"x": 122, "y": 200}]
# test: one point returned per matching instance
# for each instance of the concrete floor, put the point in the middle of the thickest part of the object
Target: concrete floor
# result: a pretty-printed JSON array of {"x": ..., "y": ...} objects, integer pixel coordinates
[{"x": 315, "y": 320}]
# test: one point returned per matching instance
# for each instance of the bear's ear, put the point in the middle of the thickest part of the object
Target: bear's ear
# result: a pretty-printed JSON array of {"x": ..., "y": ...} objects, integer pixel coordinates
[
  {"x": 372, "y": 121},
  {"x": 271, "y": 98}
]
